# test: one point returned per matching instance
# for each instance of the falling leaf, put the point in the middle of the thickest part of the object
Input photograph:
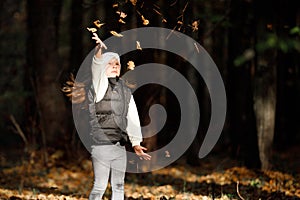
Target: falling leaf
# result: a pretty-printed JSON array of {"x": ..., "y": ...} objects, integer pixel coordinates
[
  {"x": 98, "y": 23},
  {"x": 121, "y": 21},
  {"x": 93, "y": 30},
  {"x": 157, "y": 11},
  {"x": 269, "y": 26},
  {"x": 172, "y": 4},
  {"x": 145, "y": 21},
  {"x": 138, "y": 45},
  {"x": 130, "y": 65},
  {"x": 196, "y": 46},
  {"x": 156, "y": 6},
  {"x": 187, "y": 3},
  {"x": 133, "y": 2},
  {"x": 195, "y": 25},
  {"x": 122, "y": 14},
  {"x": 180, "y": 25},
  {"x": 167, "y": 154},
  {"x": 171, "y": 32},
  {"x": 115, "y": 5},
  {"x": 114, "y": 33}
]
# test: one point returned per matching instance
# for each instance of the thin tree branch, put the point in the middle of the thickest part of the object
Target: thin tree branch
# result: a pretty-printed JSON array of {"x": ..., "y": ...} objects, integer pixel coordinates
[
  {"x": 18, "y": 129},
  {"x": 237, "y": 190}
]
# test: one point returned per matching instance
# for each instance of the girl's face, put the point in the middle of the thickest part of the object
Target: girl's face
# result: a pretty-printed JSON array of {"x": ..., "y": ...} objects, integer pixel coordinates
[{"x": 113, "y": 68}]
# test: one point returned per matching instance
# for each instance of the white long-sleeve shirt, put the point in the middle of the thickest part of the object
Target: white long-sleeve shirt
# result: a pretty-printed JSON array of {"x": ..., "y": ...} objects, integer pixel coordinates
[{"x": 100, "y": 84}]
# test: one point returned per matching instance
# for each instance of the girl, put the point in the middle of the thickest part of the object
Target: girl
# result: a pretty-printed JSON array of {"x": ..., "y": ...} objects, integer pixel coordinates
[{"x": 114, "y": 120}]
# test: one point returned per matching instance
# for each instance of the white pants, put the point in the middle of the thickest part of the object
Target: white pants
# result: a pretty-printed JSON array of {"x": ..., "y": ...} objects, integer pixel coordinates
[{"x": 108, "y": 160}]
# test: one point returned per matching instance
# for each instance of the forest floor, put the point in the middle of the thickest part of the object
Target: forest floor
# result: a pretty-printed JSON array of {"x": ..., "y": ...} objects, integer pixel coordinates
[{"x": 217, "y": 177}]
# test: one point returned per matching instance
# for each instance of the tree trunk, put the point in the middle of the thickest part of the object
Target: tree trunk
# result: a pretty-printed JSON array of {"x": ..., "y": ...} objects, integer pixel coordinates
[
  {"x": 264, "y": 106},
  {"x": 276, "y": 20},
  {"x": 265, "y": 85},
  {"x": 43, "y": 59}
]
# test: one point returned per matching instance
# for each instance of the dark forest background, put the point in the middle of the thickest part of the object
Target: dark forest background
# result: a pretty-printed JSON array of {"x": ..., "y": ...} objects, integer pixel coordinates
[{"x": 254, "y": 43}]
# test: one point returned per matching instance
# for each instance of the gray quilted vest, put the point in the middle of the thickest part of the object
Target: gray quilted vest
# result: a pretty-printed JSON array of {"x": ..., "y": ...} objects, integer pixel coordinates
[{"x": 108, "y": 117}]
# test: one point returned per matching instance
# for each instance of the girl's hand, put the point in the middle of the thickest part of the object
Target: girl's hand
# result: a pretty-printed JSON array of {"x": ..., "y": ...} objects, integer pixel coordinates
[
  {"x": 98, "y": 41},
  {"x": 139, "y": 150}
]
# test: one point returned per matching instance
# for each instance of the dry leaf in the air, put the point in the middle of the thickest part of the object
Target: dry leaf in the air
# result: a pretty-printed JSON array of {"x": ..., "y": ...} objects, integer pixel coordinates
[
  {"x": 98, "y": 23},
  {"x": 145, "y": 21},
  {"x": 138, "y": 45},
  {"x": 195, "y": 25},
  {"x": 122, "y": 14},
  {"x": 114, "y": 33},
  {"x": 180, "y": 25},
  {"x": 167, "y": 154},
  {"x": 133, "y": 2},
  {"x": 196, "y": 46},
  {"x": 157, "y": 11},
  {"x": 115, "y": 5},
  {"x": 130, "y": 65},
  {"x": 121, "y": 21},
  {"x": 93, "y": 30}
]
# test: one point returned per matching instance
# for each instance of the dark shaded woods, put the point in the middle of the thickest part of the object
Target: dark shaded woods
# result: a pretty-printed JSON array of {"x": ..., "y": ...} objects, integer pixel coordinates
[{"x": 254, "y": 43}]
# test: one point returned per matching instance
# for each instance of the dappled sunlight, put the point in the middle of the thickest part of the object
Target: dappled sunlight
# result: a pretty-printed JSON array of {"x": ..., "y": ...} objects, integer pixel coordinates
[{"x": 73, "y": 180}]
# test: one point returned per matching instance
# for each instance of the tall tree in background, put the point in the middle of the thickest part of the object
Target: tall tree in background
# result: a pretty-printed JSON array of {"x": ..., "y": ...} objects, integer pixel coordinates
[
  {"x": 265, "y": 86},
  {"x": 43, "y": 60},
  {"x": 274, "y": 21}
]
